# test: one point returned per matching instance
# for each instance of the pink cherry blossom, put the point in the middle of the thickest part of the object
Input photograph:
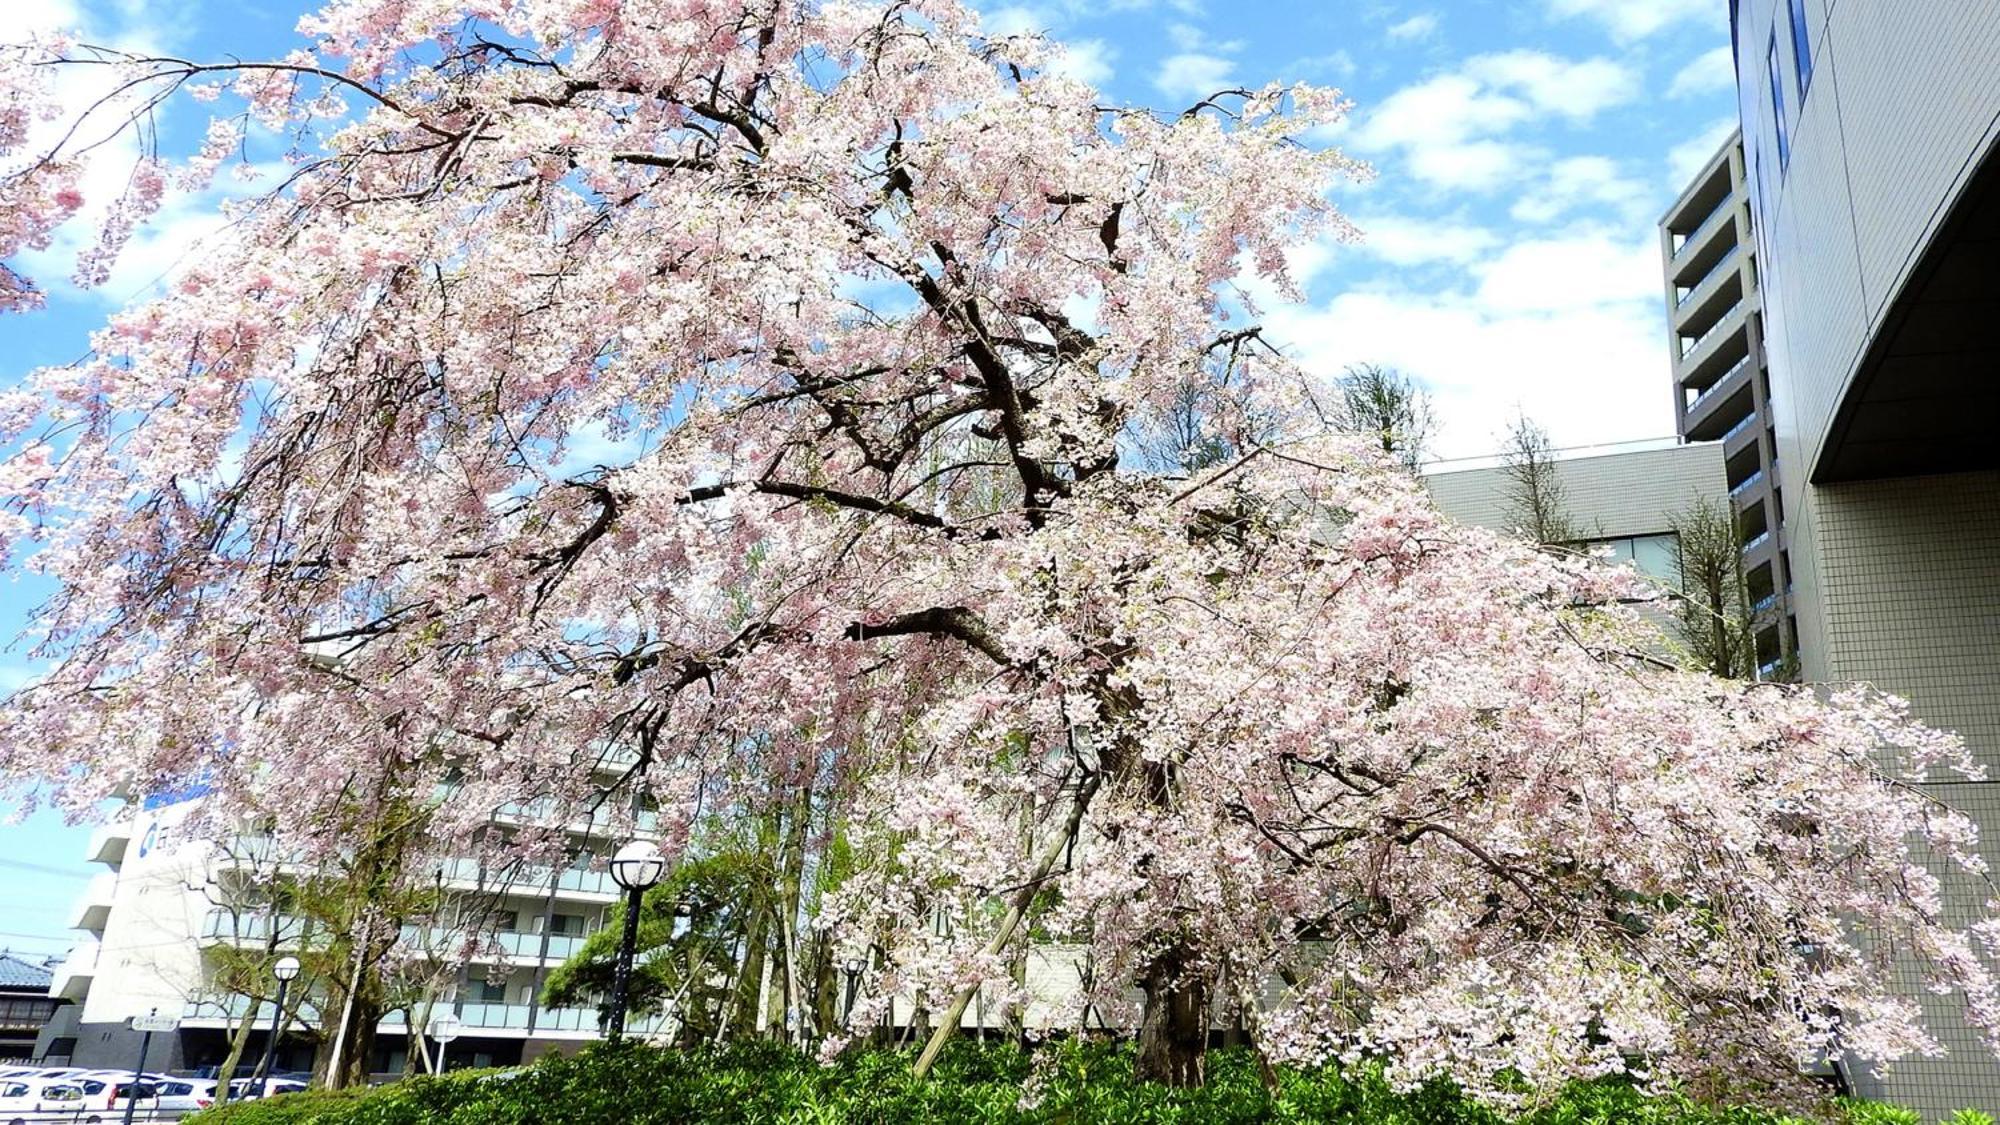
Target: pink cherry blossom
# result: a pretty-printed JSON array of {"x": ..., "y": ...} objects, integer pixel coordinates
[{"x": 693, "y": 404}]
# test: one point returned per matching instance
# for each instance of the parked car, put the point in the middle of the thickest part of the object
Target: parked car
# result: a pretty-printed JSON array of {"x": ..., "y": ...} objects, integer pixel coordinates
[
  {"x": 110, "y": 1093},
  {"x": 246, "y": 1088},
  {"x": 38, "y": 1096},
  {"x": 186, "y": 1094}
]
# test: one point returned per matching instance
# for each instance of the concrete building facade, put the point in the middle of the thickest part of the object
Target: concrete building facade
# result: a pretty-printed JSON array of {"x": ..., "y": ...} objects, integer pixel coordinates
[
  {"x": 167, "y": 897},
  {"x": 1623, "y": 502},
  {"x": 1869, "y": 132},
  {"x": 1722, "y": 384}
]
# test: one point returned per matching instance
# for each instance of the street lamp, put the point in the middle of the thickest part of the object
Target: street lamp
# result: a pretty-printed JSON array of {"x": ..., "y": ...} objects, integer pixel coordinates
[
  {"x": 444, "y": 1029},
  {"x": 636, "y": 867},
  {"x": 287, "y": 971},
  {"x": 852, "y": 967}
]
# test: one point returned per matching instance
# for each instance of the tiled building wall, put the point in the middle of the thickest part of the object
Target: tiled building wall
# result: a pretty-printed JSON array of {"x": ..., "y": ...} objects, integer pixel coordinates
[
  {"x": 1610, "y": 496},
  {"x": 1910, "y": 569}
]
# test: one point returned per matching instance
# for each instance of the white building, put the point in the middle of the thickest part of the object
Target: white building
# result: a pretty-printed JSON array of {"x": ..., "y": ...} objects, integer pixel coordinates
[{"x": 165, "y": 898}]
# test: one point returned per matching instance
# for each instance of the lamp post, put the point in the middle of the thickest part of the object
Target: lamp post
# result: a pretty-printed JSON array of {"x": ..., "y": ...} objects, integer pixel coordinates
[
  {"x": 852, "y": 967},
  {"x": 286, "y": 970},
  {"x": 444, "y": 1029},
  {"x": 636, "y": 867}
]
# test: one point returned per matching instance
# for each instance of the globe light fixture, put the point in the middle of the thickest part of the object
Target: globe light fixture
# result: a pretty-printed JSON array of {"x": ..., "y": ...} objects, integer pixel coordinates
[
  {"x": 285, "y": 970},
  {"x": 636, "y": 867}
]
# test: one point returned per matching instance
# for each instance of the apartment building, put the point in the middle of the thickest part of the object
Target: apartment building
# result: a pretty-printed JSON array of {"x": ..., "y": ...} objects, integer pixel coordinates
[
  {"x": 168, "y": 896},
  {"x": 1722, "y": 386},
  {"x": 1871, "y": 159}
]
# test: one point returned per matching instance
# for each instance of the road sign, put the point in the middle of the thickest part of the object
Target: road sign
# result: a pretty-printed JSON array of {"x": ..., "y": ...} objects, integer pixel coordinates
[
  {"x": 156, "y": 1023},
  {"x": 444, "y": 1029}
]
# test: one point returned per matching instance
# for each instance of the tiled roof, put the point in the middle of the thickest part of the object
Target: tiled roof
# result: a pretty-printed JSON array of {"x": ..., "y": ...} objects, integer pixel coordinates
[{"x": 16, "y": 973}]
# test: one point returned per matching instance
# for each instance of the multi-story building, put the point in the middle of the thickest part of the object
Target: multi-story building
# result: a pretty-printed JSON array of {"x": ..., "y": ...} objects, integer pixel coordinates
[
  {"x": 1722, "y": 387},
  {"x": 167, "y": 899},
  {"x": 1871, "y": 139}
]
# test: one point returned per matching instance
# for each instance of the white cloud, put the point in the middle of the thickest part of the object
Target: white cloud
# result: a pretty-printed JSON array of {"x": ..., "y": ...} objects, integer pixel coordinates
[
  {"x": 1583, "y": 181},
  {"x": 1193, "y": 75},
  {"x": 1687, "y": 157},
  {"x": 1086, "y": 60},
  {"x": 1013, "y": 20},
  {"x": 1451, "y": 128},
  {"x": 1565, "y": 329},
  {"x": 1567, "y": 274},
  {"x": 1711, "y": 72},
  {"x": 1574, "y": 90},
  {"x": 1419, "y": 26},
  {"x": 1338, "y": 63},
  {"x": 1627, "y": 20},
  {"x": 1403, "y": 241}
]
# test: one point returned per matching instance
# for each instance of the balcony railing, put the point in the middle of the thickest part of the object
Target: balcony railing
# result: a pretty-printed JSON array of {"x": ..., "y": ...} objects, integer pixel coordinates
[
  {"x": 1708, "y": 222},
  {"x": 1721, "y": 381},
  {"x": 472, "y": 1017},
  {"x": 1756, "y": 542},
  {"x": 575, "y": 880},
  {"x": 1689, "y": 347},
  {"x": 1715, "y": 270},
  {"x": 1746, "y": 484},
  {"x": 223, "y": 925}
]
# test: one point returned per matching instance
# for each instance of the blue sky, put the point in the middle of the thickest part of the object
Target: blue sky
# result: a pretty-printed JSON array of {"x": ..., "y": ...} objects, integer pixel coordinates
[{"x": 1523, "y": 149}]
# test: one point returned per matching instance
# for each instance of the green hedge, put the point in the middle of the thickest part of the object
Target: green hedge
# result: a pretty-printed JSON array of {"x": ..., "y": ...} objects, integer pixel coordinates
[{"x": 767, "y": 1084}]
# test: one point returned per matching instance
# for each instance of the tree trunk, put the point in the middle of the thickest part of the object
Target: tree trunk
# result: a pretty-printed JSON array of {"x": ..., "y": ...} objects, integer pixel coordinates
[
  {"x": 1173, "y": 1030},
  {"x": 238, "y": 1040}
]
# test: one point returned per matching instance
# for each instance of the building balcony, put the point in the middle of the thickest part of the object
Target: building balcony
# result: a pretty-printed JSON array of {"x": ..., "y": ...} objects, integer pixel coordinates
[
  {"x": 1743, "y": 435},
  {"x": 1760, "y": 551},
  {"x": 1706, "y": 305},
  {"x": 570, "y": 882},
  {"x": 108, "y": 842},
  {"x": 228, "y": 927},
  {"x": 543, "y": 813},
  {"x": 505, "y": 1020},
  {"x": 93, "y": 906},
  {"x": 1722, "y": 406},
  {"x": 1714, "y": 240},
  {"x": 1713, "y": 192},
  {"x": 73, "y": 976},
  {"x": 1707, "y": 359}
]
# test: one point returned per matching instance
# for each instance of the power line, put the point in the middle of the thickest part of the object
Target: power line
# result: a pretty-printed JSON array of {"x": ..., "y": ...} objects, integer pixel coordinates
[{"x": 43, "y": 868}]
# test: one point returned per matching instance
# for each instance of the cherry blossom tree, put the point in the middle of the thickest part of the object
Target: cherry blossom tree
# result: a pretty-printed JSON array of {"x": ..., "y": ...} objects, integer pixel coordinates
[{"x": 720, "y": 391}]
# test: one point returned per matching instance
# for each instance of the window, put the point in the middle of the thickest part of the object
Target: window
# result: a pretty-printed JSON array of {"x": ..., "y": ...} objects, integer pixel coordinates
[
  {"x": 1801, "y": 47},
  {"x": 488, "y": 992},
  {"x": 1778, "y": 106},
  {"x": 1651, "y": 555},
  {"x": 569, "y": 925}
]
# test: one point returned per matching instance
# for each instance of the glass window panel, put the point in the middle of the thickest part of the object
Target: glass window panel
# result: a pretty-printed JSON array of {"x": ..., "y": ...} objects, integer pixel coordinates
[
  {"x": 1654, "y": 555},
  {"x": 1778, "y": 105},
  {"x": 1801, "y": 47}
]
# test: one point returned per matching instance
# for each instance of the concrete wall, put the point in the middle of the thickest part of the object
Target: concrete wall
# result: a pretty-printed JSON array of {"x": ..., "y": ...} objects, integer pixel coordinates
[{"x": 1610, "y": 496}]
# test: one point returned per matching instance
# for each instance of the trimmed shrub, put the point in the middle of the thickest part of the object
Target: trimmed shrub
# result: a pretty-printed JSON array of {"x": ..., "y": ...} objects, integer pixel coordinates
[{"x": 1066, "y": 1083}]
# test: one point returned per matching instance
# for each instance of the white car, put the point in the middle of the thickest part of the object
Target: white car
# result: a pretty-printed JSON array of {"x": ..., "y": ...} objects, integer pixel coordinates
[
  {"x": 245, "y": 1089},
  {"x": 108, "y": 1093},
  {"x": 37, "y": 1096},
  {"x": 186, "y": 1094}
]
